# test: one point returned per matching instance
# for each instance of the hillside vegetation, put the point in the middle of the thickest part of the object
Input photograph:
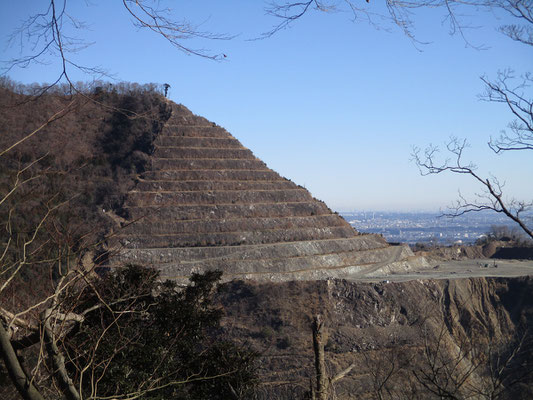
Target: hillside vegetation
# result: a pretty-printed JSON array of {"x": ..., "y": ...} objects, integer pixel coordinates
[
  {"x": 81, "y": 165},
  {"x": 69, "y": 326}
]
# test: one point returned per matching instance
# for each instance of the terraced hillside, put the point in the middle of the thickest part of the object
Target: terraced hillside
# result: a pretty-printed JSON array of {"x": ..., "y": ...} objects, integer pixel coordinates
[{"x": 206, "y": 202}]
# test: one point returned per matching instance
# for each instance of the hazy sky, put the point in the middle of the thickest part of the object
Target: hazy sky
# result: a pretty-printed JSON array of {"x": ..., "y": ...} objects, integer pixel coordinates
[{"x": 331, "y": 104}]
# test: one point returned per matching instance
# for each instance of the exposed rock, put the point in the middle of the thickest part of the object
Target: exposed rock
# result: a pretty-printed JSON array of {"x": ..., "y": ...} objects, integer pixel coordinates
[
  {"x": 453, "y": 252},
  {"x": 384, "y": 327},
  {"x": 206, "y": 202}
]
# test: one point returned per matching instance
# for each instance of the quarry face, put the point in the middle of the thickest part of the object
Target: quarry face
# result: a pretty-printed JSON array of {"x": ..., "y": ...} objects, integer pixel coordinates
[{"x": 206, "y": 202}]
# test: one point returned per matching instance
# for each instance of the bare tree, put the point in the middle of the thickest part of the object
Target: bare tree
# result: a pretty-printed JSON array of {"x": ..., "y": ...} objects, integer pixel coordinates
[
  {"x": 502, "y": 90},
  {"x": 324, "y": 383},
  {"x": 515, "y": 93},
  {"x": 490, "y": 198},
  {"x": 388, "y": 372},
  {"x": 88, "y": 332},
  {"x": 461, "y": 367},
  {"x": 47, "y": 35},
  {"x": 22, "y": 326},
  {"x": 445, "y": 369}
]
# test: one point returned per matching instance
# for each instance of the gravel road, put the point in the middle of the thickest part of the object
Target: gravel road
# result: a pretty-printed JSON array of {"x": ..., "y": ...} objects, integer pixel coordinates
[{"x": 463, "y": 269}]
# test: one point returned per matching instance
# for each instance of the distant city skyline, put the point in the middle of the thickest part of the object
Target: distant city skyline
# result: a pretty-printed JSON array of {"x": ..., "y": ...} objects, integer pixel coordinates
[{"x": 333, "y": 105}]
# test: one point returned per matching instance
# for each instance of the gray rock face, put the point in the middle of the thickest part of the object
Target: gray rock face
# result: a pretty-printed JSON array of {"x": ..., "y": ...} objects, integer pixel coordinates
[{"x": 208, "y": 203}]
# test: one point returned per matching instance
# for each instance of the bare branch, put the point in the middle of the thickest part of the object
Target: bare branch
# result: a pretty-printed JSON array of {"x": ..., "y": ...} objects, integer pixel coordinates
[
  {"x": 288, "y": 13},
  {"x": 58, "y": 360},
  {"x": 343, "y": 373},
  {"x": 398, "y": 12},
  {"x": 157, "y": 21},
  {"x": 491, "y": 197},
  {"x": 518, "y": 33},
  {"x": 514, "y": 96}
]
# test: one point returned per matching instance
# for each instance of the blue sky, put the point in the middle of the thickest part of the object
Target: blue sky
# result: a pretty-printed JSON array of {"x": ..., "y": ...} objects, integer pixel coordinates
[{"x": 332, "y": 104}]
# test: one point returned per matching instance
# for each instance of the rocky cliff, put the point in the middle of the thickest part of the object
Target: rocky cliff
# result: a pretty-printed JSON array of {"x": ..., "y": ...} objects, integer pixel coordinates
[
  {"x": 206, "y": 202},
  {"x": 465, "y": 329}
]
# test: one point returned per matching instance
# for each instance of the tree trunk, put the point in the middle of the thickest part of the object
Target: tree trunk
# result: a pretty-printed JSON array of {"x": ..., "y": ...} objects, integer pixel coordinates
[
  {"x": 320, "y": 364},
  {"x": 58, "y": 361},
  {"x": 21, "y": 381}
]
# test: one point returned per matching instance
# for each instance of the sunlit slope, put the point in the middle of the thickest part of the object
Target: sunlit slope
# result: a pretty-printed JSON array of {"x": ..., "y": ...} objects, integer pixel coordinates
[{"x": 206, "y": 202}]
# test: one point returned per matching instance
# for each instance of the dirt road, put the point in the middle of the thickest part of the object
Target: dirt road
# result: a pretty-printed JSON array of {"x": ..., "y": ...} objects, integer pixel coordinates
[{"x": 463, "y": 269}]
